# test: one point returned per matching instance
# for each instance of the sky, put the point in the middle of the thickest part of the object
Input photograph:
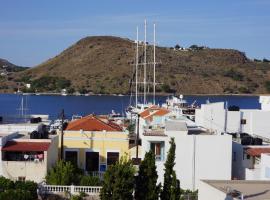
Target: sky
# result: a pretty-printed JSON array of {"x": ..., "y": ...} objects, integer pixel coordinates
[{"x": 32, "y": 31}]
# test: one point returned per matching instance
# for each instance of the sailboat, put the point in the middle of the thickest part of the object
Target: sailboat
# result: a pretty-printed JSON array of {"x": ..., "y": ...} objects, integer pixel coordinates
[{"x": 133, "y": 110}]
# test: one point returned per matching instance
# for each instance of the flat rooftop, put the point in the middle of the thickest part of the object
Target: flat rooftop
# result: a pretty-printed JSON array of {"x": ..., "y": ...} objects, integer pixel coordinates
[{"x": 252, "y": 190}]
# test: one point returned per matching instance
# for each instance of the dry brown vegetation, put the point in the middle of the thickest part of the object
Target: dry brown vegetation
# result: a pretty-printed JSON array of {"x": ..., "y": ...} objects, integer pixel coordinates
[{"x": 103, "y": 64}]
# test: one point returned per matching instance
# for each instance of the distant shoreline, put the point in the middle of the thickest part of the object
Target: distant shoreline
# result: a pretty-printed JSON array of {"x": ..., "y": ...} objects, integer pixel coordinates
[{"x": 158, "y": 94}]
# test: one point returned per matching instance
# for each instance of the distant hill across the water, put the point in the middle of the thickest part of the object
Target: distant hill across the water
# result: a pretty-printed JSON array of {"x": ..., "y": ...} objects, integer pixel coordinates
[{"x": 105, "y": 64}]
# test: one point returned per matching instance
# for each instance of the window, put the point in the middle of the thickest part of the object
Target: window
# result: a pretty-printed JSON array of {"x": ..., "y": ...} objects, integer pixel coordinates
[
  {"x": 243, "y": 121},
  {"x": 21, "y": 178},
  {"x": 92, "y": 161},
  {"x": 158, "y": 149},
  {"x": 112, "y": 158},
  {"x": 72, "y": 156}
]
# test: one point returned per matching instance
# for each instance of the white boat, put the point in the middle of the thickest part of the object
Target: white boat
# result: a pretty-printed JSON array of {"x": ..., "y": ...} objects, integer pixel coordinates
[
  {"x": 75, "y": 117},
  {"x": 64, "y": 92},
  {"x": 179, "y": 106},
  {"x": 56, "y": 125}
]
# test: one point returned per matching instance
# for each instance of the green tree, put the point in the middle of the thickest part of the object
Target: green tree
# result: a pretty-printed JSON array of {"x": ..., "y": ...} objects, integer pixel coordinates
[
  {"x": 63, "y": 173},
  {"x": 118, "y": 181},
  {"x": 171, "y": 186},
  {"x": 146, "y": 182},
  {"x": 177, "y": 46}
]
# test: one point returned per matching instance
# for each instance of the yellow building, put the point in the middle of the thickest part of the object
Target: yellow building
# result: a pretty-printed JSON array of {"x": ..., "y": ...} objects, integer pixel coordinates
[{"x": 94, "y": 143}]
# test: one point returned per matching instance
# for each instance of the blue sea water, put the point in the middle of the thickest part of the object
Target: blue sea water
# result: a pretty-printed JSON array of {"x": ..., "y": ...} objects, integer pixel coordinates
[{"x": 83, "y": 105}]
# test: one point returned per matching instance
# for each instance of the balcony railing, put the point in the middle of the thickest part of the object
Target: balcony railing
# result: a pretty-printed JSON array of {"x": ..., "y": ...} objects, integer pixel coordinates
[{"x": 72, "y": 189}]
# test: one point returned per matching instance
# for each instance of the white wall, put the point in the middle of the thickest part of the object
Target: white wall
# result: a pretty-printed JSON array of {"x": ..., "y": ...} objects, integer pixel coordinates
[
  {"x": 208, "y": 192},
  {"x": 265, "y": 167},
  {"x": 212, "y": 117},
  {"x": 197, "y": 157},
  {"x": 19, "y": 127},
  {"x": 3, "y": 140},
  {"x": 265, "y": 102}
]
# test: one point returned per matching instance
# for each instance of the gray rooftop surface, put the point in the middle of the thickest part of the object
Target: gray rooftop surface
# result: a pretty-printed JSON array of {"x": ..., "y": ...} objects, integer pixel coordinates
[{"x": 252, "y": 190}]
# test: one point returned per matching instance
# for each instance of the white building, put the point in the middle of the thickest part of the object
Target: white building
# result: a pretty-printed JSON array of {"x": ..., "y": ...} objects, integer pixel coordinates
[
  {"x": 216, "y": 118},
  {"x": 233, "y": 190},
  {"x": 23, "y": 158},
  {"x": 199, "y": 155}
]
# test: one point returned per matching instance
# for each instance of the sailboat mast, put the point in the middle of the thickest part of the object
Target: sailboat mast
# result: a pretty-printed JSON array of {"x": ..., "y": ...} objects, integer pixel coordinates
[
  {"x": 154, "y": 79},
  {"x": 136, "y": 68},
  {"x": 144, "y": 78}
]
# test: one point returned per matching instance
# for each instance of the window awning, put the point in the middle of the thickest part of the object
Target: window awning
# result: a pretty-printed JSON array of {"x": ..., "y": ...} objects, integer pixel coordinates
[
  {"x": 26, "y": 146},
  {"x": 257, "y": 151}
]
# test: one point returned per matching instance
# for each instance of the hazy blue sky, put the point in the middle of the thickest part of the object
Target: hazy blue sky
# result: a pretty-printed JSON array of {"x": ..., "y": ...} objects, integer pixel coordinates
[{"x": 32, "y": 31}]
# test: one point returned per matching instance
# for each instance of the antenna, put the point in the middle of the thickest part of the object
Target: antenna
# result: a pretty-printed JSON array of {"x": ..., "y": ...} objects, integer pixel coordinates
[
  {"x": 154, "y": 81},
  {"x": 144, "y": 78}
]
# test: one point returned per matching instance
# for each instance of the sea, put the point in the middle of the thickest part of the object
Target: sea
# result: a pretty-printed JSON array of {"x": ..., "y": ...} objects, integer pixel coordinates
[{"x": 52, "y": 105}]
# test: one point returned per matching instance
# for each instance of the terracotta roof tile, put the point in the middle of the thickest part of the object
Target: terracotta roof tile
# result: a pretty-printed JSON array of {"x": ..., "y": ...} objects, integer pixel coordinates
[
  {"x": 92, "y": 123},
  {"x": 257, "y": 151},
  {"x": 153, "y": 111},
  {"x": 26, "y": 146}
]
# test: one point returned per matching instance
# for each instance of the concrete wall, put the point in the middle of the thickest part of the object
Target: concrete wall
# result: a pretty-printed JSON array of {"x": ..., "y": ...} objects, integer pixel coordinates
[
  {"x": 197, "y": 157},
  {"x": 208, "y": 192},
  {"x": 34, "y": 171},
  {"x": 52, "y": 153}
]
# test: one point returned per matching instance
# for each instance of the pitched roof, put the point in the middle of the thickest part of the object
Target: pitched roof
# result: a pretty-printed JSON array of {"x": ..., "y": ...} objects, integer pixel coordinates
[
  {"x": 26, "y": 146},
  {"x": 148, "y": 113},
  {"x": 93, "y": 123},
  {"x": 257, "y": 151}
]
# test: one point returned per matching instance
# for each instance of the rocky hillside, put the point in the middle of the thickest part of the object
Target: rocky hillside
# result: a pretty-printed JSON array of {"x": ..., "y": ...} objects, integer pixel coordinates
[{"x": 104, "y": 64}]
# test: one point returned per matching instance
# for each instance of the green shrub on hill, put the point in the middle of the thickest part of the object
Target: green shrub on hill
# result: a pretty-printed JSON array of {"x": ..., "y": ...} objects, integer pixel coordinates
[
  {"x": 267, "y": 86},
  {"x": 235, "y": 75}
]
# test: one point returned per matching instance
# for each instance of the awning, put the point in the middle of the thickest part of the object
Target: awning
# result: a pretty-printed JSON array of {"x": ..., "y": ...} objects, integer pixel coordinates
[
  {"x": 257, "y": 151},
  {"x": 26, "y": 146}
]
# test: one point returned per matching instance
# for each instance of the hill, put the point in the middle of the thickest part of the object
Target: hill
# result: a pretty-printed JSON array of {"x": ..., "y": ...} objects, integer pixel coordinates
[
  {"x": 7, "y": 70},
  {"x": 103, "y": 64}
]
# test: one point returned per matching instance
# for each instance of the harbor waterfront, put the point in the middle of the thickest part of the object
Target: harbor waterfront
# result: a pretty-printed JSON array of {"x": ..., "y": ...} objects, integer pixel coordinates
[{"x": 100, "y": 104}]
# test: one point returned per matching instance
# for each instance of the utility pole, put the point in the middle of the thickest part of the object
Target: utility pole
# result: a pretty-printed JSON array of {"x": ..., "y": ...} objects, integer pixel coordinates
[
  {"x": 137, "y": 160},
  {"x": 137, "y": 136},
  {"x": 62, "y": 134}
]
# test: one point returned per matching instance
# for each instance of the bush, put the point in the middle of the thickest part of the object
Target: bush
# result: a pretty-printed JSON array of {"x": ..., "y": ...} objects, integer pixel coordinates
[
  {"x": 18, "y": 190},
  {"x": 90, "y": 181},
  {"x": 118, "y": 181},
  {"x": 27, "y": 186},
  {"x": 267, "y": 86},
  {"x": 50, "y": 83},
  {"x": 166, "y": 88},
  {"x": 235, "y": 75},
  {"x": 5, "y": 184},
  {"x": 266, "y": 60},
  {"x": 16, "y": 194},
  {"x": 63, "y": 173}
]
